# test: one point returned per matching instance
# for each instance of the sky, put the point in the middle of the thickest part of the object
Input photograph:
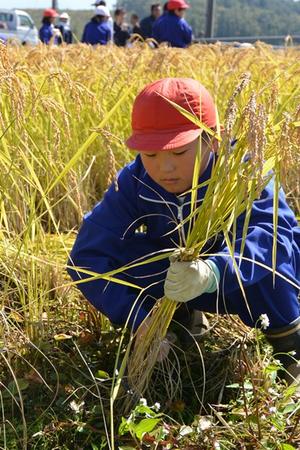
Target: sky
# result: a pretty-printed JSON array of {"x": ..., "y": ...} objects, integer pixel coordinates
[{"x": 62, "y": 4}]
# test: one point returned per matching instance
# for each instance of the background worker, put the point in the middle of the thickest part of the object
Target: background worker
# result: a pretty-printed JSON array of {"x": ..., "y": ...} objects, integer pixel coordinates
[
  {"x": 135, "y": 25},
  {"x": 154, "y": 190},
  {"x": 110, "y": 21},
  {"x": 172, "y": 27},
  {"x": 97, "y": 31},
  {"x": 121, "y": 33},
  {"x": 63, "y": 25},
  {"x": 147, "y": 22},
  {"x": 47, "y": 30}
]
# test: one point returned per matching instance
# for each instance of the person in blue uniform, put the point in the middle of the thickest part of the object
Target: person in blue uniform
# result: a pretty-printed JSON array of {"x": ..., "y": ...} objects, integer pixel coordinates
[
  {"x": 64, "y": 26},
  {"x": 97, "y": 31},
  {"x": 148, "y": 195},
  {"x": 47, "y": 30},
  {"x": 147, "y": 23},
  {"x": 110, "y": 21},
  {"x": 172, "y": 27}
]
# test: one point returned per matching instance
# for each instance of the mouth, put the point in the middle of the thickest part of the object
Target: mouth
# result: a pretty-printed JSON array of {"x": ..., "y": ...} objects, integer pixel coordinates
[{"x": 170, "y": 180}]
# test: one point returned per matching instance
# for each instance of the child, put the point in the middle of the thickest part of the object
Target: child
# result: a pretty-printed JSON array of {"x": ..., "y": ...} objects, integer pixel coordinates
[
  {"x": 47, "y": 30},
  {"x": 148, "y": 194},
  {"x": 97, "y": 31},
  {"x": 171, "y": 27}
]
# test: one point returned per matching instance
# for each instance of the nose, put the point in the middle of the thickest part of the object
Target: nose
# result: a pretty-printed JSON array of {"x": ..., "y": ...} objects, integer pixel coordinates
[{"x": 167, "y": 164}]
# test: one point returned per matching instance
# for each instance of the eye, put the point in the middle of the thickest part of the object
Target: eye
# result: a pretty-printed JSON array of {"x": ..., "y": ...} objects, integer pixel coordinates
[
  {"x": 180, "y": 153},
  {"x": 150, "y": 155}
]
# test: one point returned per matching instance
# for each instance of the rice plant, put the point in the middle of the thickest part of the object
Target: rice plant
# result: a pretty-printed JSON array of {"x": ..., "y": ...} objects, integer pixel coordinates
[{"x": 64, "y": 114}]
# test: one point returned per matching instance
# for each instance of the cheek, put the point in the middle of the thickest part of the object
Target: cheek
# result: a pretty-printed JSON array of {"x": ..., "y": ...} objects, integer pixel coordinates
[
  {"x": 150, "y": 166},
  {"x": 187, "y": 166}
]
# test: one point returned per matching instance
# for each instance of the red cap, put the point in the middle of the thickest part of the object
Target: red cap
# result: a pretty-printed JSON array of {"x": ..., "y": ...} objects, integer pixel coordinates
[
  {"x": 157, "y": 125},
  {"x": 49, "y": 12},
  {"x": 177, "y": 4}
]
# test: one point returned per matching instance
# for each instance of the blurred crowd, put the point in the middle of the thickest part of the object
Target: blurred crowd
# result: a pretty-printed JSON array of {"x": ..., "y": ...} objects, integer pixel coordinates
[{"x": 163, "y": 24}]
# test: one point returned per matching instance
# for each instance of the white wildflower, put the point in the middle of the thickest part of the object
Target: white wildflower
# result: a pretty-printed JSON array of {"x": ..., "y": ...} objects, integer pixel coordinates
[
  {"x": 263, "y": 417},
  {"x": 185, "y": 430},
  {"x": 203, "y": 424},
  {"x": 76, "y": 407},
  {"x": 143, "y": 401},
  {"x": 264, "y": 320},
  {"x": 156, "y": 406},
  {"x": 39, "y": 433},
  {"x": 273, "y": 409},
  {"x": 217, "y": 446}
]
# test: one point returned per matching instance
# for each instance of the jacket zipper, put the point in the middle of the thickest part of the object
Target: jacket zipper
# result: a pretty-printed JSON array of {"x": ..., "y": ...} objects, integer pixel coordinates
[{"x": 179, "y": 207}]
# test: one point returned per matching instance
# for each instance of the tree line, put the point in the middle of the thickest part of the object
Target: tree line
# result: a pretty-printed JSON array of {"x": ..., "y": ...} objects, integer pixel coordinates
[
  {"x": 232, "y": 17},
  {"x": 236, "y": 17}
]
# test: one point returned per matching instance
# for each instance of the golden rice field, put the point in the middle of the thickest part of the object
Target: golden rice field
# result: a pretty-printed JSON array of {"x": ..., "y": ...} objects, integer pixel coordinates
[{"x": 64, "y": 115}]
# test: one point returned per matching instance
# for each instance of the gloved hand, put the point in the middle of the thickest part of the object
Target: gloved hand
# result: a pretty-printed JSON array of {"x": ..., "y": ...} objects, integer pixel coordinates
[
  {"x": 187, "y": 280},
  {"x": 165, "y": 345}
]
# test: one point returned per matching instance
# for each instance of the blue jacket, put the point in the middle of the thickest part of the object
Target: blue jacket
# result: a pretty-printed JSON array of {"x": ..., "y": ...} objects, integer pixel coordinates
[
  {"x": 147, "y": 26},
  {"x": 96, "y": 33},
  {"x": 66, "y": 34},
  {"x": 46, "y": 32},
  {"x": 109, "y": 238},
  {"x": 172, "y": 29}
]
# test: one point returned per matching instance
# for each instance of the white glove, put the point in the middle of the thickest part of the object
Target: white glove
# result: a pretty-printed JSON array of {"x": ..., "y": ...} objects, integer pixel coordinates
[{"x": 189, "y": 279}]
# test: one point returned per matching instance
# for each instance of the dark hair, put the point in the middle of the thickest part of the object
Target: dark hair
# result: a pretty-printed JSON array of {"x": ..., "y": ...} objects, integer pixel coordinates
[
  {"x": 119, "y": 11},
  {"x": 155, "y": 5},
  {"x": 101, "y": 3},
  {"x": 46, "y": 20},
  {"x": 166, "y": 7},
  {"x": 98, "y": 18},
  {"x": 135, "y": 16}
]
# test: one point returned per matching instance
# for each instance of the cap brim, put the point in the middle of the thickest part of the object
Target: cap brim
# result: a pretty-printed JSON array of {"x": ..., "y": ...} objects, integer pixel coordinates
[{"x": 160, "y": 140}]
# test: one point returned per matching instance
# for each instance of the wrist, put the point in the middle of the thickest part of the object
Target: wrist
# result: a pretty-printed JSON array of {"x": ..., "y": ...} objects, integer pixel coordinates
[{"x": 214, "y": 279}]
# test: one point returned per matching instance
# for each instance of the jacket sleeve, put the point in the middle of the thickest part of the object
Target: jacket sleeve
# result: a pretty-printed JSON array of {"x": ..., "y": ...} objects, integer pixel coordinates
[
  {"x": 109, "y": 36},
  {"x": 156, "y": 32},
  {"x": 83, "y": 39},
  {"x": 258, "y": 244},
  {"x": 187, "y": 32},
  {"x": 100, "y": 247}
]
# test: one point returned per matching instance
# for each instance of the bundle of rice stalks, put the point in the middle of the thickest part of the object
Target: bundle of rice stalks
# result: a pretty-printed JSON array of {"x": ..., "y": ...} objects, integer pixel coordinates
[{"x": 239, "y": 175}]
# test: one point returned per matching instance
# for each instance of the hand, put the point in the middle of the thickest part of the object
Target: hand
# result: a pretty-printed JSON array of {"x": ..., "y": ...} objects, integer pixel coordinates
[
  {"x": 187, "y": 280},
  {"x": 164, "y": 346}
]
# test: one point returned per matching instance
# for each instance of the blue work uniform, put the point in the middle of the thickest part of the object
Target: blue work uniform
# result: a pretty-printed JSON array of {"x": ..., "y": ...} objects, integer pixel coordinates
[
  {"x": 172, "y": 29},
  {"x": 96, "y": 33},
  {"x": 46, "y": 33},
  {"x": 66, "y": 34},
  {"x": 147, "y": 26},
  {"x": 110, "y": 238}
]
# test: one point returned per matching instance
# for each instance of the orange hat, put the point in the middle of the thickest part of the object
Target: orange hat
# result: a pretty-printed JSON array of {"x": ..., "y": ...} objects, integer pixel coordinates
[
  {"x": 177, "y": 4},
  {"x": 49, "y": 12},
  {"x": 157, "y": 125}
]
